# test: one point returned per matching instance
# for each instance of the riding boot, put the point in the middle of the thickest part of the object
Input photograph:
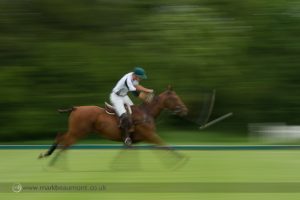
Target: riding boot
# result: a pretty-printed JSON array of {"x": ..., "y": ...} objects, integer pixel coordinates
[{"x": 126, "y": 126}]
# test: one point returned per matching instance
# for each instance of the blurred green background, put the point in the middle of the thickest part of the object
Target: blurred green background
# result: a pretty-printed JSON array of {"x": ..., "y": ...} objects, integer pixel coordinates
[{"x": 57, "y": 54}]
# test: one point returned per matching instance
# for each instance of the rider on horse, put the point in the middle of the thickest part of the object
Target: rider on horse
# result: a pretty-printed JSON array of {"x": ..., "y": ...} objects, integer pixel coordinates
[{"x": 119, "y": 98}]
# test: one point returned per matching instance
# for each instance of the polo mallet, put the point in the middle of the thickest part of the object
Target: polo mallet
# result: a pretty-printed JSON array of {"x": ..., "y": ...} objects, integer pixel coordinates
[{"x": 215, "y": 121}]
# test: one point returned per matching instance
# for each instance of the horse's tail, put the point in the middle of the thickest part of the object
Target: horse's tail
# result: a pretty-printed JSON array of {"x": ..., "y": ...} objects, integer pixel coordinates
[{"x": 66, "y": 110}]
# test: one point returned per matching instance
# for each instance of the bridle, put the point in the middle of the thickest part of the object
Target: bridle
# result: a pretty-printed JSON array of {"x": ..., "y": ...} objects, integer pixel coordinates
[{"x": 178, "y": 110}]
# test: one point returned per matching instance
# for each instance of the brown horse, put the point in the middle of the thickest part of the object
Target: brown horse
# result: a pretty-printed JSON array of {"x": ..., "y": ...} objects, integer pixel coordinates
[{"x": 86, "y": 119}]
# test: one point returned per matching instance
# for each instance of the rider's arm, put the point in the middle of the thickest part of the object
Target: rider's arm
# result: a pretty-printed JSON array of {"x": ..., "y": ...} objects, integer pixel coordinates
[{"x": 143, "y": 89}]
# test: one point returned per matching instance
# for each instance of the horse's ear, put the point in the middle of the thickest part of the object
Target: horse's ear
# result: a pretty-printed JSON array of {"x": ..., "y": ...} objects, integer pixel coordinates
[{"x": 170, "y": 88}]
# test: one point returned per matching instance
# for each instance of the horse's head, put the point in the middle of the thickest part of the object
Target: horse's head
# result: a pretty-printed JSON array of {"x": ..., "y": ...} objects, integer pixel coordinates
[{"x": 172, "y": 102}]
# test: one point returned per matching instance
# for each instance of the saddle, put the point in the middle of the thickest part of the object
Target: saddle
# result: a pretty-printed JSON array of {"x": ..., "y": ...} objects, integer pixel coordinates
[{"x": 109, "y": 109}]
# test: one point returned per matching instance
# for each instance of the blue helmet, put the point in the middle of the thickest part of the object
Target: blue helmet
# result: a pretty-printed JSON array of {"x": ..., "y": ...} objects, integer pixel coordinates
[{"x": 140, "y": 72}]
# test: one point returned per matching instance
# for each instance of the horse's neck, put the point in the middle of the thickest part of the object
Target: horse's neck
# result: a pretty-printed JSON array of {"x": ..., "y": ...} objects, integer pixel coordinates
[{"x": 155, "y": 107}]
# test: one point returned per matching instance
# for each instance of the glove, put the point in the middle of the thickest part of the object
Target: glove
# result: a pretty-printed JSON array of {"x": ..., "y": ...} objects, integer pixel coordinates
[{"x": 146, "y": 96}]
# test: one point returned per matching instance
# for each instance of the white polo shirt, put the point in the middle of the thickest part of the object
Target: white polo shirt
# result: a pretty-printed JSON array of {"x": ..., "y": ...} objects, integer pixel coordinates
[{"x": 125, "y": 84}]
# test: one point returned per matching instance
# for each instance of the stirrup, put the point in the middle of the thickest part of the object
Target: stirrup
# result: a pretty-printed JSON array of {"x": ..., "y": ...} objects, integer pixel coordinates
[{"x": 128, "y": 141}]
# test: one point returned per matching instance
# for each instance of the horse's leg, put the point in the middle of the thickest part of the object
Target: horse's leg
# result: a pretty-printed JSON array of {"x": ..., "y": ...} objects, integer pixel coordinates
[
  {"x": 52, "y": 147},
  {"x": 127, "y": 159},
  {"x": 155, "y": 139},
  {"x": 169, "y": 156},
  {"x": 65, "y": 141},
  {"x": 160, "y": 144}
]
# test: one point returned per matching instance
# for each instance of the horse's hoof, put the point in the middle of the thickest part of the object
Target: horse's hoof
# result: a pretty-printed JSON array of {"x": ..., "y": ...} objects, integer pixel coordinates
[
  {"x": 42, "y": 155},
  {"x": 183, "y": 160}
]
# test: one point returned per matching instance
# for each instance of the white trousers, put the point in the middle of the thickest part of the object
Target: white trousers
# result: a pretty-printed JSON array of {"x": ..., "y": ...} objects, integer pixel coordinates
[{"x": 119, "y": 101}]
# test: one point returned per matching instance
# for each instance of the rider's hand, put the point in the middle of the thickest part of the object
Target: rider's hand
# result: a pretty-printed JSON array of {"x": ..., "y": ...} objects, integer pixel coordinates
[
  {"x": 147, "y": 96},
  {"x": 150, "y": 91}
]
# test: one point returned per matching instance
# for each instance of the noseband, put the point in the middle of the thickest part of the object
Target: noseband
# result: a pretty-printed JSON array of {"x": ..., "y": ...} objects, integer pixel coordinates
[{"x": 177, "y": 110}]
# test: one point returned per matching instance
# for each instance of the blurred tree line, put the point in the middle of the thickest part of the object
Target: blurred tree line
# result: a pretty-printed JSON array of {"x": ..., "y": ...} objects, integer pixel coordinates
[{"x": 56, "y": 53}]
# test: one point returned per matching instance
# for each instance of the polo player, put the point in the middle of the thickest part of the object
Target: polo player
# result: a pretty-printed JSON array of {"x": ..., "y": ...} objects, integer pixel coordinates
[{"x": 119, "y": 98}]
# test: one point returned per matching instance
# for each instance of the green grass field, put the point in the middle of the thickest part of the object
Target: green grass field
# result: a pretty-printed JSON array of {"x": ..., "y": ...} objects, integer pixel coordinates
[{"x": 141, "y": 167}]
